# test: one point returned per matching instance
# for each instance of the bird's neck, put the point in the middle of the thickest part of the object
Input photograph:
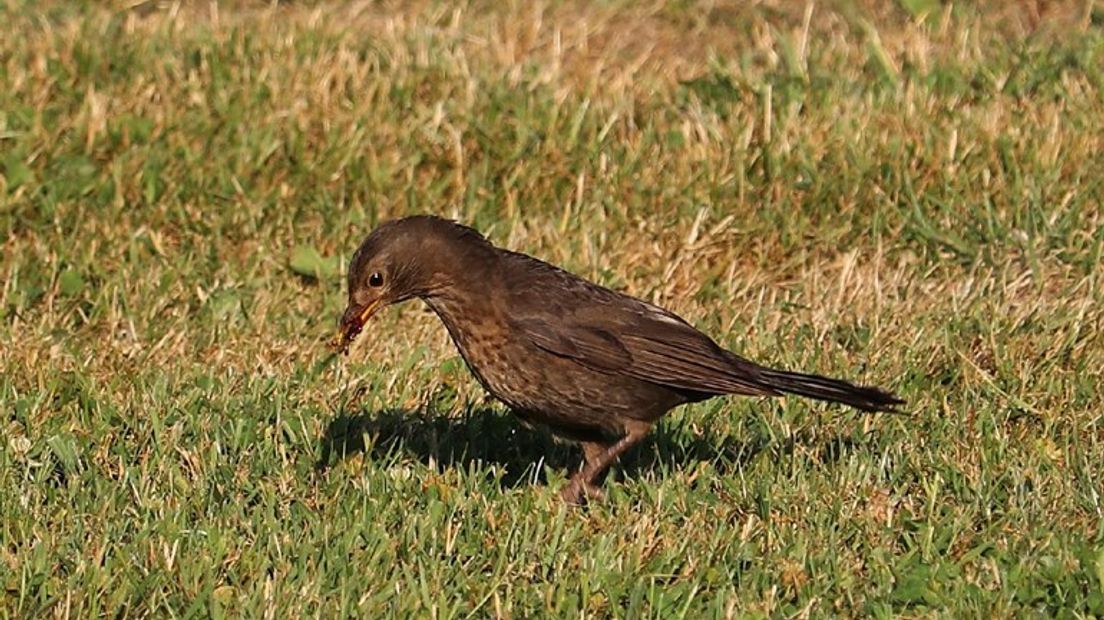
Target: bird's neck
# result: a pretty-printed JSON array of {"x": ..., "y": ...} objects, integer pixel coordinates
[
  {"x": 458, "y": 299},
  {"x": 463, "y": 297},
  {"x": 461, "y": 285}
]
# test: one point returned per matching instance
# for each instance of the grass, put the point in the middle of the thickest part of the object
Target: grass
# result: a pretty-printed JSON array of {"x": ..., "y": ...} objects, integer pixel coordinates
[{"x": 904, "y": 194}]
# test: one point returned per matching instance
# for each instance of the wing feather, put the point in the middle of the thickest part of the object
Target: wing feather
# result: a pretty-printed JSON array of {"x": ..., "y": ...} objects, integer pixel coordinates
[
  {"x": 680, "y": 358},
  {"x": 614, "y": 333}
]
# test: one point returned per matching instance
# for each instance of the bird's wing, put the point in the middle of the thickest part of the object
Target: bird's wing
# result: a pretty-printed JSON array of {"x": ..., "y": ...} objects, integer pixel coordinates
[
  {"x": 613, "y": 333},
  {"x": 678, "y": 358},
  {"x": 594, "y": 348}
]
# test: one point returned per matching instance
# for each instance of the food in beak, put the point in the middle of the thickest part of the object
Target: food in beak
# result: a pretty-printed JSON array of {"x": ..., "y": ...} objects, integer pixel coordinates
[{"x": 352, "y": 323}]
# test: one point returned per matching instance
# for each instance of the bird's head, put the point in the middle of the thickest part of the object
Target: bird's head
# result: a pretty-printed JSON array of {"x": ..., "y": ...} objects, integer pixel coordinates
[{"x": 419, "y": 256}]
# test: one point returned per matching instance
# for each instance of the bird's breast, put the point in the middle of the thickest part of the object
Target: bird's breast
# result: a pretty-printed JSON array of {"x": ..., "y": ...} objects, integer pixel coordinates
[{"x": 482, "y": 338}]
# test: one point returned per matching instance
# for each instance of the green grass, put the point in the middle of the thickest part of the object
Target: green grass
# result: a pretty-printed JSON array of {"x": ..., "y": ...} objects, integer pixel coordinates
[{"x": 901, "y": 194}]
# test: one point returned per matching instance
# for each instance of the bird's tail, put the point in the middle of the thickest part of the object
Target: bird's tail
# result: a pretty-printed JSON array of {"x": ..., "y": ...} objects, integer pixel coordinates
[{"x": 832, "y": 390}]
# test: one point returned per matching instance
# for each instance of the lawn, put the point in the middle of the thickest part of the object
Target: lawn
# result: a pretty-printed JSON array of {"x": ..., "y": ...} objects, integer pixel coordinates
[{"x": 900, "y": 193}]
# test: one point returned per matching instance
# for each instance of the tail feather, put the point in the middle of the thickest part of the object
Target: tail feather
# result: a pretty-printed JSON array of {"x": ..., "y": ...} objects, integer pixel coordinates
[{"x": 832, "y": 390}]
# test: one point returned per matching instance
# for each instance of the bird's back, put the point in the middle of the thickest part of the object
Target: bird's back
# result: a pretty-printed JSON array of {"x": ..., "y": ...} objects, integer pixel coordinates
[{"x": 614, "y": 333}]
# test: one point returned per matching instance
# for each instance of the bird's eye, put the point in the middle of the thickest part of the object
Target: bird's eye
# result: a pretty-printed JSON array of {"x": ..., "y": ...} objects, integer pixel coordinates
[{"x": 375, "y": 279}]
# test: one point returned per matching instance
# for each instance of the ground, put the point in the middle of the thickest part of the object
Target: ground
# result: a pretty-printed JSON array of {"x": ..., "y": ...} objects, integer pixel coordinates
[{"x": 900, "y": 193}]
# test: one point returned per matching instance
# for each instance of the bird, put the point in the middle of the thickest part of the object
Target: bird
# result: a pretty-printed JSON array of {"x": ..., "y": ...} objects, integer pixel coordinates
[{"x": 595, "y": 366}]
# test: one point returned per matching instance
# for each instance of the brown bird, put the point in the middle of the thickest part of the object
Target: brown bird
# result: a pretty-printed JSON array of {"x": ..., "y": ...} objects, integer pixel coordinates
[{"x": 593, "y": 365}]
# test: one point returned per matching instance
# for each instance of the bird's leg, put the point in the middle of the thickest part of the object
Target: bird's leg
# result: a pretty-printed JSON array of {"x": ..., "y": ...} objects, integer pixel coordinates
[
  {"x": 592, "y": 452},
  {"x": 598, "y": 459}
]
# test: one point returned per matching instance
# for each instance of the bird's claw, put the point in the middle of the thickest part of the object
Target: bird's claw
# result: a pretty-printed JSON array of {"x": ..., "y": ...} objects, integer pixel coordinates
[{"x": 579, "y": 493}]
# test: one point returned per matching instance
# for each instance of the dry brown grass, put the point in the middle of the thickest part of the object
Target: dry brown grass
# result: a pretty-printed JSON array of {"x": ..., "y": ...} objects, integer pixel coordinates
[{"x": 839, "y": 186}]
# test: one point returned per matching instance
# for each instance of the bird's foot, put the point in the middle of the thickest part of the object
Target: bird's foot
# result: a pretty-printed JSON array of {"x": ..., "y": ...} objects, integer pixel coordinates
[{"x": 579, "y": 492}]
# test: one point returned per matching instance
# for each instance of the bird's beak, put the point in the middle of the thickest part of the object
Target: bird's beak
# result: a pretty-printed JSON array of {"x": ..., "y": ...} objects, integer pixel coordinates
[{"x": 352, "y": 322}]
